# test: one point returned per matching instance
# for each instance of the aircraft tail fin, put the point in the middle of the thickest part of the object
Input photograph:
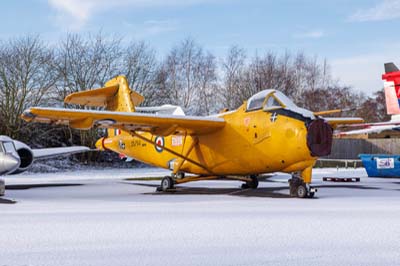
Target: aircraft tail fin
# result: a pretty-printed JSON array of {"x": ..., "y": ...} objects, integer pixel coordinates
[
  {"x": 115, "y": 96},
  {"x": 391, "y": 81}
]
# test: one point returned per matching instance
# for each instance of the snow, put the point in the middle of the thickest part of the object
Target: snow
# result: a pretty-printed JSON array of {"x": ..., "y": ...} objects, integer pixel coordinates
[{"x": 102, "y": 219}]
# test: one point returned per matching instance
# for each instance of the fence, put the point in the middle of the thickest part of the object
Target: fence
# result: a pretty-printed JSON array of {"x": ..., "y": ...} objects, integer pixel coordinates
[{"x": 351, "y": 148}]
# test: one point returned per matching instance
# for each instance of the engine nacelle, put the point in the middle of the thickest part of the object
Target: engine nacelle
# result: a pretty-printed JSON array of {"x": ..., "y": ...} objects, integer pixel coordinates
[{"x": 25, "y": 155}]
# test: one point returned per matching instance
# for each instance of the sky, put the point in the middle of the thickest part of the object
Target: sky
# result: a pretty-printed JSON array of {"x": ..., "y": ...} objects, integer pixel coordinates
[{"x": 356, "y": 37}]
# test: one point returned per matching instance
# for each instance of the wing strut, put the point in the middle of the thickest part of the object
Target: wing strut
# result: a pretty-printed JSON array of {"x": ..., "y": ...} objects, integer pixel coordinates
[{"x": 195, "y": 141}]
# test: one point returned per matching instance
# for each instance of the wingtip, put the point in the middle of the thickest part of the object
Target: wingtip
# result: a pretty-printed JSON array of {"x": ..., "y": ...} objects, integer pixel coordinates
[{"x": 27, "y": 115}]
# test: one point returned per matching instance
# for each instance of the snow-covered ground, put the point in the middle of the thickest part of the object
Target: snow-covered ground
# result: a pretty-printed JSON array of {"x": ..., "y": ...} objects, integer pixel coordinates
[{"x": 98, "y": 218}]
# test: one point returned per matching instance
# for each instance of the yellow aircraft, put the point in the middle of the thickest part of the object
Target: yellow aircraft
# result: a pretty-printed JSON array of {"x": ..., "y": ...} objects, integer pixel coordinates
[{"x": 268, "y": 133}]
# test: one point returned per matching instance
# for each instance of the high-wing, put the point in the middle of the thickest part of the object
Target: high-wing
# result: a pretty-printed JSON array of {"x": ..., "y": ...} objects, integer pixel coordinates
[
  {"x": 336, "y": 121},
  {"x": 157, "y": 124}
]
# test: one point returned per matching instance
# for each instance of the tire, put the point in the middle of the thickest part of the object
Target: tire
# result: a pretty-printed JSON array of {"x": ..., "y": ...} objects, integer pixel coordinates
[
  {"x": 253, "y": 184},
  {"x": 167, "y": 183},
  {"x": 302, "y": 191},
  {"x": 2, "y": 188}
]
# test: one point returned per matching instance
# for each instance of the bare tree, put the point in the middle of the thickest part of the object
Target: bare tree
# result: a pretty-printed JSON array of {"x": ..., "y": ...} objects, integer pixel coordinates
[
  {"x": 233, "y": 68},
  {"x": 26, "y": 77},
  {"x": 188, "y": 73},
  {"x": 140, "y": 67},
  {"x": 86, "y": 63},
  {"x": 207, "y": 92}
]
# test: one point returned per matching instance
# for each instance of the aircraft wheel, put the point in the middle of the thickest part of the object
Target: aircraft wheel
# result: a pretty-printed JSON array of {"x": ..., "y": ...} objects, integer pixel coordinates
[
  {"x": 253, "y": 184},
  {"x": 167, "y": 183},
  {"x": 302, "y": 191},
  {"x": 2, "y": 187},
  {"x": 311, "y": 195}
]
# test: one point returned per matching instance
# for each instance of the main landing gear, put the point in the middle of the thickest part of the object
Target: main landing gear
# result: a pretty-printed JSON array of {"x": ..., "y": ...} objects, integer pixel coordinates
[
  {"x": 300, "y": 189},
  {"x": 168, "y": 182},
  {"x": 252, "y": 183}
]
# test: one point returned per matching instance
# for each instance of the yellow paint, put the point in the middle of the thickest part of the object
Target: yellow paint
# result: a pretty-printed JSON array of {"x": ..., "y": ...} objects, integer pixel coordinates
[{"x": 236, "y": 143}]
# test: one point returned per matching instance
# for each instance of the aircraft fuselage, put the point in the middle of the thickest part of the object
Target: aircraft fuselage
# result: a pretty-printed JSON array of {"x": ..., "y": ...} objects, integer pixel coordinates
[{"x": 252, "y": 142}]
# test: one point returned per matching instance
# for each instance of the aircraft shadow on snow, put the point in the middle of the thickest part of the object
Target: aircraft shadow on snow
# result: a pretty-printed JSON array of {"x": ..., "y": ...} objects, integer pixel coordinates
[{"x": 262, "y": 192}]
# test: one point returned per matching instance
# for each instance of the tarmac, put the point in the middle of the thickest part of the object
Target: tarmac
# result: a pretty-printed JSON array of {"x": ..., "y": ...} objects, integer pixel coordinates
[{"x": 99, "y": 217}]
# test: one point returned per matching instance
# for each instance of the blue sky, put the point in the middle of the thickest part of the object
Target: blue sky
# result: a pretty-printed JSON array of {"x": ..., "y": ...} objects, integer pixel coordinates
[{"x": 356, "y": 37}]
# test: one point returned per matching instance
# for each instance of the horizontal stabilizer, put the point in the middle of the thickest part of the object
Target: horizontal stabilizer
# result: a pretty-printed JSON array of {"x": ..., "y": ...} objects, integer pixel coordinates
[{"x": 99, "y": 97}]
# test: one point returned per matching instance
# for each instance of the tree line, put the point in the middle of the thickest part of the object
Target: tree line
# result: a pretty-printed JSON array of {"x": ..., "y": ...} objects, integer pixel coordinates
[{"x": 33, "y": 73}]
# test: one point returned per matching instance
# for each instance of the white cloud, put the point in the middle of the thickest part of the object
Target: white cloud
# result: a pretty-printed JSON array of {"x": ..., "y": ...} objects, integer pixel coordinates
[
  {"x": 314, "y": 34},
  {"x": 76, "y": 13},
  {"x": 386, "y": 10},
  {"x": 152, "y": 27}
]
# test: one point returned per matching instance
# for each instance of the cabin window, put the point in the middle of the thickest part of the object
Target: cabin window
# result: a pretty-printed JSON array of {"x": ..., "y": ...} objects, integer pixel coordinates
[{"x": 9, "y": 147}]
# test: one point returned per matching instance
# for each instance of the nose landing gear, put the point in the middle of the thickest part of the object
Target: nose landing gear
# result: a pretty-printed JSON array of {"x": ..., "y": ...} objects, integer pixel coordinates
[{"x": 298, "y": 188}]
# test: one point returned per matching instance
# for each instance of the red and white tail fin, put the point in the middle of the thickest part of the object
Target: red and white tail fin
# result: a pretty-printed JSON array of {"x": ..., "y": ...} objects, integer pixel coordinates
[{"x": 391, "y": 81}]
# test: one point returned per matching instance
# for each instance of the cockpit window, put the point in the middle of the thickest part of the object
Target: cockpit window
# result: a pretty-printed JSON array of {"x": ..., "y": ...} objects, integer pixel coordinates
[
  {"x": 1, "y": 148},
  {"x": 9, "y": 147},
  {"x": 255, "y": 104},
  {"x": 272, "y": 103}
]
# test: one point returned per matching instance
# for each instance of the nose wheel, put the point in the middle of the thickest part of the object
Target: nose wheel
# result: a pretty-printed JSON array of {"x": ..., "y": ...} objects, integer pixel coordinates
[{"x": 300, "y": 189}]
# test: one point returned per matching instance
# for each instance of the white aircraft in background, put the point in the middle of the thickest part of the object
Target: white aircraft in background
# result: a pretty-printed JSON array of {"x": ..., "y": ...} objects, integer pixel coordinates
[
  {"x": 16, "y": 157},
  {"x": 391, "y": 81}
]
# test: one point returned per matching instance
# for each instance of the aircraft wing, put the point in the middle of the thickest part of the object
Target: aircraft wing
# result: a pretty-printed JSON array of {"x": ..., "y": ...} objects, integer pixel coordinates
[
  {"x": 54, "y": 152},
  {"x": 336, "y": 121},
  {"x": 371, "y": 128},
  {"x": 163, "y": 125}
]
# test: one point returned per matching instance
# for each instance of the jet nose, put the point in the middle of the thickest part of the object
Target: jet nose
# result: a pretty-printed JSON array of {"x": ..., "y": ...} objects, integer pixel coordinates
[
  {"x": 319, "y": 137},
  {"x": 9, "y": 163}
]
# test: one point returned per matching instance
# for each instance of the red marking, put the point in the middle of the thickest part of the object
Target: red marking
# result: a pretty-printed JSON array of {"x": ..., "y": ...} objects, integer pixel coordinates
[
  {"x": 102, "y": 144},
  {"x": 395, "y": 77}
]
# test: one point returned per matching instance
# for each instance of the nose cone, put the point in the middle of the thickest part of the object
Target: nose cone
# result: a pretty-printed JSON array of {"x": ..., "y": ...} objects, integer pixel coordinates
[
  {"x": 100, "y": 144},
  {"x": 8, "y": 163}
]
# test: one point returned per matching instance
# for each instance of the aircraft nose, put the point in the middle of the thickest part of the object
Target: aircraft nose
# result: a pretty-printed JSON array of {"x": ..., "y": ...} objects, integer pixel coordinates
[
  {"x": 319, "y": 137},
  {"x": 9, "y": 163}
]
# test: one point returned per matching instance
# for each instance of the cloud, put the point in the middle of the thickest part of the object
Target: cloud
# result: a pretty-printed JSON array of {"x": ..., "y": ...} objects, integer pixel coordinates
[
  {"x": 152, "y": 27},
  {"x": 76, "y": 13},
  {"x": 386, "y": 10},
  {"x": 314, "y": 34}
]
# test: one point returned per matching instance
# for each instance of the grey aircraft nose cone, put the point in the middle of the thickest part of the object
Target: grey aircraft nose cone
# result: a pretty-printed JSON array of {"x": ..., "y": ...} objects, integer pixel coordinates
[{"x": 8, "y": 164}]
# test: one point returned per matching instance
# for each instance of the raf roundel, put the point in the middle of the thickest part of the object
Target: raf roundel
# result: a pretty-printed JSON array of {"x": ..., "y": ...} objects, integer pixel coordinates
[{"x": 160, "y": 144}]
